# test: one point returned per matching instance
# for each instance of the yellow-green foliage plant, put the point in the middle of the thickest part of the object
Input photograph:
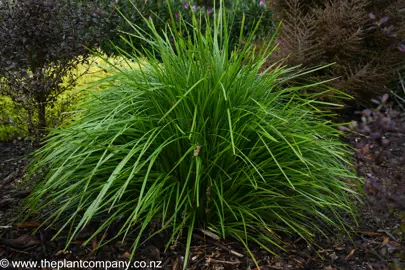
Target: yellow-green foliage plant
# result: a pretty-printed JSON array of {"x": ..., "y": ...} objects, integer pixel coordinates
[
  {"x": 14, "y": 119},
  {"x": 197, "y": 139},
  {"x": 8, "y": 128},
  {"x": 91, "y": 74}
]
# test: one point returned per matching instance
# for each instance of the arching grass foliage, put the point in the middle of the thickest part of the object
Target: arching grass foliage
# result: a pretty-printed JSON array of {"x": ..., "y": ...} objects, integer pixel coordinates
[{"x": 197, "y": 139}]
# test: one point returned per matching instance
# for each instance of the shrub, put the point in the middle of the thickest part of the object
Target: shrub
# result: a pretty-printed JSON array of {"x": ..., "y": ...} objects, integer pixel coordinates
[
  {"x": 42, "y": 43},
  {"x": 363, "y": 37},
  {"x": 197, "y": 139}
]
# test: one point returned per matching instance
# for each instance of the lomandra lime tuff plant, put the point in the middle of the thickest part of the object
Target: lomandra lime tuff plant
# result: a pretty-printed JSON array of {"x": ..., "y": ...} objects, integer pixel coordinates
[{"x": 198, "y": 140}]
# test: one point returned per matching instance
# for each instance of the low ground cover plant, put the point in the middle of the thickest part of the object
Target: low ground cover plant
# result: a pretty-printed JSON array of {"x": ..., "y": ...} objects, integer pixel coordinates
[
  {"x": 382, "y": 131},
  {"x": 198, "y": 138}
]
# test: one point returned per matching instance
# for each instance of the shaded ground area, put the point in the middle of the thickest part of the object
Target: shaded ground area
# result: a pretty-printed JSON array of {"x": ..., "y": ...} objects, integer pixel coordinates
[
  {"x": 12, "y": 169},
  {"x": 379, "y": 241}
]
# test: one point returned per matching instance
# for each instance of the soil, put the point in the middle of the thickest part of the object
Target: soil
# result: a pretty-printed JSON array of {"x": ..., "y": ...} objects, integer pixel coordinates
[{"x": 378, "y": 242}]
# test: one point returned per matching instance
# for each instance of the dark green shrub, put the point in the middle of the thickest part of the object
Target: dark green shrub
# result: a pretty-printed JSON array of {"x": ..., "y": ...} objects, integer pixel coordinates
[{"x": 197, "y": 139}]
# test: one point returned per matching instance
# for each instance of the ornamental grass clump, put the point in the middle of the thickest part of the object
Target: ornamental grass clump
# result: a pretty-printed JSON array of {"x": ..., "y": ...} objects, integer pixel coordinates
[{"x": 198, "y": 139}]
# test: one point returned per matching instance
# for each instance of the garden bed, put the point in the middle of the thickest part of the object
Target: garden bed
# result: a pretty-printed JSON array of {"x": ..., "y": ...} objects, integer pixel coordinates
[
  {"x": 378, "y": 243},
  {"x": 149, "y": 155}
]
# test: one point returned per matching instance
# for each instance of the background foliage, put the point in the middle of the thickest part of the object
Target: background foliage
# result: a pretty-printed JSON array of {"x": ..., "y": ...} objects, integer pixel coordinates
[
  {"x": 106, "y": 14},
  {"x": 364, "y": 38}
]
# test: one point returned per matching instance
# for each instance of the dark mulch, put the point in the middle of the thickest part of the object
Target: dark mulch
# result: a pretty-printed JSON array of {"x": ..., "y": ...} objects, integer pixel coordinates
[
  {"x": 12, "y": 168},
  {"x": 378, "y": 243}
]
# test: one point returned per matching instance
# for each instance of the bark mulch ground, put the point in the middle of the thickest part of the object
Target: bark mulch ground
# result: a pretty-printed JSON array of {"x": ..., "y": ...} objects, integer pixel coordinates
[{"x": 378, "y": 242}]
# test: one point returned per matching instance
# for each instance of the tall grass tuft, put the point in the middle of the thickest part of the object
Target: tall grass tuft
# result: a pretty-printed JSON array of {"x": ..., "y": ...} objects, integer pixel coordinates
[{"x": 197, "y": 139}]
